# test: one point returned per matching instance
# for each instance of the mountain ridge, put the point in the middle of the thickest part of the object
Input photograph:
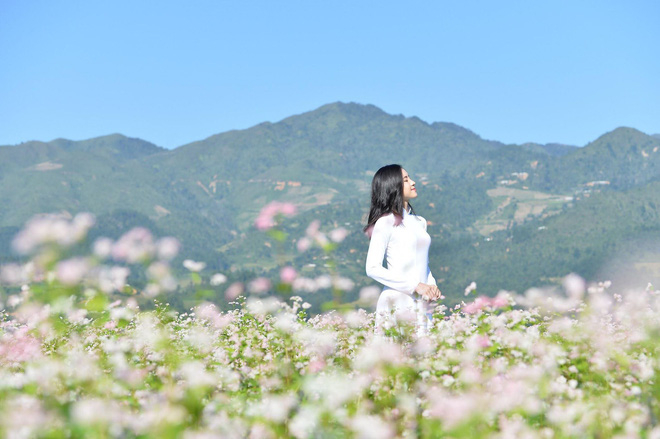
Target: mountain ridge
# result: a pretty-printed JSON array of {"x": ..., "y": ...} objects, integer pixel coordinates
[{"x": 208, "y": 192}]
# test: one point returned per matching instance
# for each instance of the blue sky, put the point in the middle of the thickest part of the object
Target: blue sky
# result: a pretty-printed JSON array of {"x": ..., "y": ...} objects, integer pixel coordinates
[{"x": 172, "y": 72}]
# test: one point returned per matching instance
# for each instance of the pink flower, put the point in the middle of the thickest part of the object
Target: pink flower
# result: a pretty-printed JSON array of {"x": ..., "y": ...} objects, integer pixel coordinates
[
  {"x": 19, "y": 346},
  {"x": 313, "y": 228},
  {"x": 288, "y": 209},
  {"x": 208, "y": 312},
  {"x": 476, "y": 306},
  {"x": 266, "y": 218},
  {"x": 134, "y": 246},
  {"x": 338, "y": 235},
  {"x": 482, "y": 302},
  {"x": 483, "y": 341},
  {"x": 500, "y": 301},
  {"x": 233, "y": 291},
  {"x": 259, "y": 285},
  {"x": 315, "y": 366},
  {"x": 71, "y": 271},
  {"x": 303, "y": 244},
  {"x": 288, "y": 275},
  {"x": 52, "y": 229}
]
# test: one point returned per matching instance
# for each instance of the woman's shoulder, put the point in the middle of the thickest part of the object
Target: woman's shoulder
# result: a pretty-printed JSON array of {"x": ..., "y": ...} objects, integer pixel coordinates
[{"x": 386, "y": 220}]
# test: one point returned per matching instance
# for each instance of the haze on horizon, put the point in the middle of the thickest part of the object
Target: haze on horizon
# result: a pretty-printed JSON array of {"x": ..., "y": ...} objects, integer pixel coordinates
[{"x": 515, "y": 72}]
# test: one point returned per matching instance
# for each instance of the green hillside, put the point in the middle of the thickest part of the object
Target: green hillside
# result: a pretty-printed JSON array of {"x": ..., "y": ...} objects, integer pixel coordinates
[{"x": 506, "y": 216}]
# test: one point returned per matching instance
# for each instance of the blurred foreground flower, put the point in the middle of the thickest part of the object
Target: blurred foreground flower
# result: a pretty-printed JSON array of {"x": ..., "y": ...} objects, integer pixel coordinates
[
  {"x": 267, "y": 215},
  {"x": 52, "y": 229},
  {"x": 194, "y": 266}
]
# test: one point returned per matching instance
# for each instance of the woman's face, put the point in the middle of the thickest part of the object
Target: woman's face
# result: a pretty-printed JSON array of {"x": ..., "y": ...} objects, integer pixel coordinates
[{"x": 409, "y": 191}]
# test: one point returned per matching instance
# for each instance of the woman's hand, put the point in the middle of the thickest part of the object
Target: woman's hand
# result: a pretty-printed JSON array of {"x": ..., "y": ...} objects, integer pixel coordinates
[{"x": 428, "y": 292}]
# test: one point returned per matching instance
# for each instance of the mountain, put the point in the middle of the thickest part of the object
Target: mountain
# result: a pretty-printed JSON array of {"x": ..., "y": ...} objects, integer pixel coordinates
[
  {"x": 481, "y": 197},
  {"x": 624, "y": 157},
  {"x": 554, "y": 149}
]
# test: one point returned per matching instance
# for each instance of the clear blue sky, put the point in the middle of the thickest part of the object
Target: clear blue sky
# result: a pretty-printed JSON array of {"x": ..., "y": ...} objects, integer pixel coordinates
[{"x": 172, "y": 72}]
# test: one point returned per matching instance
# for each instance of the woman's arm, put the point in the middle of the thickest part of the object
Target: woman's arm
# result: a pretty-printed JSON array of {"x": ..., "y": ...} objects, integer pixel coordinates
[
  {"x": 430, "y": 280},
  {"x": 377, "y": 248}
]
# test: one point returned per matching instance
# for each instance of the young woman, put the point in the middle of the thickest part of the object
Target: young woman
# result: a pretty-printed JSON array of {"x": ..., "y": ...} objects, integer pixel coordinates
[{"x": 399, "y": 236}]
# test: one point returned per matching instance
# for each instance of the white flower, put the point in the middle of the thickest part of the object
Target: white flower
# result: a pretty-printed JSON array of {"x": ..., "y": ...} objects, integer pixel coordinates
[
  {"x": 194, "y": 266},
  {"x": 218, "y": 279}
]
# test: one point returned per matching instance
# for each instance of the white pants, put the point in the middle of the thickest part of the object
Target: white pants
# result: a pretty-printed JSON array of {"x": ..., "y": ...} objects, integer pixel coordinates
[{"x": 394, "y": 306}]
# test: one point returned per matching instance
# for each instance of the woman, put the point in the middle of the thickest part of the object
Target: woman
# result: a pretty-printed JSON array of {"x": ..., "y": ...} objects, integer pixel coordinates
[{"x": 399, "y": 236}]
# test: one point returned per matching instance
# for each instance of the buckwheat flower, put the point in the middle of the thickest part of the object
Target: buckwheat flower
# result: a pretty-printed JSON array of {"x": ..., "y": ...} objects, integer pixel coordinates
[
  {"x": 12, "y": 274},
  {"x": 14, "y": 300},
  {"x": 112, "y": 278},
  {"x": 483, "y": 341},
  {"x": 18, "y": 347},
  {"x": 261, "y": 307},
  {"x": 81, "y": 224},
  {"x": 321, "y": 239},
  {"x": 304, "y": 284},
  {"x": 357, "y": 318},
  {"x": 266, "y": 218},
  {"x": 470, "y": 288},
  {"x": 338, "y": 235},
  {"x": 96, "y": 411},
  {"x": 451, "y": 409},
  {"x": 195, "y": 374},
  {"x": 218, "y": 279},
  {"x": 502, "y": 299},
  {"x": 193, "y": 265},
  {"x": 324, "y": 281},
  {"x": 77, "y": 316},
  {"x": 303, "y": 244},
  {"x": 369, "y": 295},
  {"x": 304, "y": 423},
  {"x": 134, "y": 246},
  {"x": 313, "y": 228},
  {"x": 72, "y": 271},
  {"x": 259, "y": 285},
  {"x": 575, "y": 286},
  {"x": 275, "y": 408},
  {"x": 333, "y": 389},
  {"x": 102, "y": 247},
  {"x": 167, "y": 248},
  {"x": 152, "y": 290},
  {"x": 343, "y": 283},
  {"x": 23, "y": 416},
  {"x": 371, "y": 427},
  {"x": 476, "y": 306},
  {"x": 52, "y": 229},
  {"x": 288, "y": 274},
  {"x": 209, "y": 312},
  {"x": 233, "y": 291}
]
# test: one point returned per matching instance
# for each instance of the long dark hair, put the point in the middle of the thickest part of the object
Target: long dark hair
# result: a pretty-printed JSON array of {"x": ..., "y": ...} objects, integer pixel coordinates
[{"x": 386, "y": 196}]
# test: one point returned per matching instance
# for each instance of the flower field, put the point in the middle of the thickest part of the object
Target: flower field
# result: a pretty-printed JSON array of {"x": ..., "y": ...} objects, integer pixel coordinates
[{"x": 80, "y": 358}]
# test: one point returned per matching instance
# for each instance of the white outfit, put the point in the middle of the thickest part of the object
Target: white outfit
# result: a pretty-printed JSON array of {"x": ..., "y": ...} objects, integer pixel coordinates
[{"x": 405, "y": 248}]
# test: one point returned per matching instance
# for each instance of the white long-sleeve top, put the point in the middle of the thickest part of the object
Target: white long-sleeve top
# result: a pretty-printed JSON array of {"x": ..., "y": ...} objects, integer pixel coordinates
[{"x": 405, "y": 248}]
